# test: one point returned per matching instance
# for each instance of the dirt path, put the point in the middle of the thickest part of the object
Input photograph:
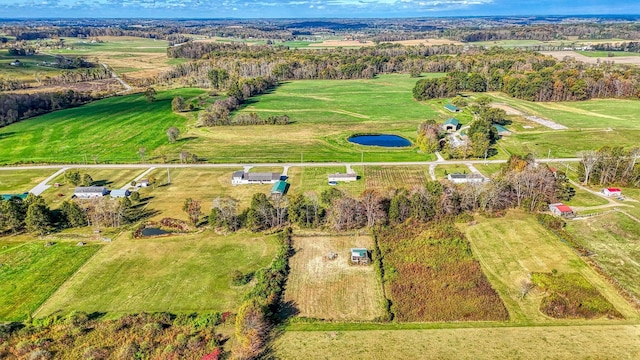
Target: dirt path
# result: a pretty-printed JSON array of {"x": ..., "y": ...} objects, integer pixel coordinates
[{"x": 536, "y": 119}]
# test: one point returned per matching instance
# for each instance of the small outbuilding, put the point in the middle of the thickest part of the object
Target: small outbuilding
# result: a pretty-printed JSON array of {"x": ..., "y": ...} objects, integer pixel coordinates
[
  {"x": 279, "y": 188},
  {"x": 120, "y": 193},
  {"x": 560, "y": 209},
  {"x": 465, "y": 178},
  {"x": 89, "y": 192},
  {"x": 338, "y": 177},
  {"x": 612, "y": 192},
  {"x": 451, "y": 125},
  {"x": 360, "y": 256},
  {"x": 452, "y": 108},
  {"x": 143, "y": 183},
  {"x": 501, "y": 130}
]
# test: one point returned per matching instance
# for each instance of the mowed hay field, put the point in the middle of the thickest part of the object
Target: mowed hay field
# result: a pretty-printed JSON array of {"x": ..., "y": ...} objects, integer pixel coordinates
[
  {"x": 31, "y": 272},
  {"x": 315, "y": 179},
  {"x": 19, "y": 181},
  {"x": 332, "y": 289},
  {"x": 325, "y": 113},
  {"x": 563, "y": 342},
  {"x": 512, "y": 247},
  {"x": 186, "y": 273},
  {"x": 615, "y": 240},
  {"x": 112, "y": 129}
]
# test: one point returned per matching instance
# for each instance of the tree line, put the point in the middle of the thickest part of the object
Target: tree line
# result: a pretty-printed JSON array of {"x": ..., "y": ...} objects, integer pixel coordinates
[
  {"x": 610, "y": 165},
  {"x": 531, "y": 76},
  {"x": 15, "y": 107}
]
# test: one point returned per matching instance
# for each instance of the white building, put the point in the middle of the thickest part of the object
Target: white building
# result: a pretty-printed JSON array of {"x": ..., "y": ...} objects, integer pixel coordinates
[
  {"x": 337, "y": 177},
  {"x": 465, "y": 178},
  {"x": 612, "y": 192},
  {"x": 241, "y": 178},
  {"x": 88, "y": 192}
]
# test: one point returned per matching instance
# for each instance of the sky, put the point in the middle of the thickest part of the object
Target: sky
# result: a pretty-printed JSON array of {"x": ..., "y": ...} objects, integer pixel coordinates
[{"x": 307, "y": 8}]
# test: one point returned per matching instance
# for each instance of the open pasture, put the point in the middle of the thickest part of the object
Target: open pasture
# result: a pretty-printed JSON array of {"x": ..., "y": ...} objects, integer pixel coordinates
[
  {"x": 590, "y": 114},
  {"x": 321, "y": 288},
  {"x": 629, "y": 58},
  {"x": 324, "y": 114},
  {"x": 19, "y": 181},
  {"x": 512, "y": 247},
  {"x": 395, "y": 177},
  {"x": 182, "y": 273},
  {"x": 125, "y": 54},
  {"x": 615, "y": 240},
  {"x": 112, "y": 129},
  {"x": 31, "y": 272},
  {"x": 562, "y": 342}
]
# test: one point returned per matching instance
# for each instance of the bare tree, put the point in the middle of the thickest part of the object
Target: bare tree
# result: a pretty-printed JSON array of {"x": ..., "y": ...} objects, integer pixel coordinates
[
  {"x": 193, "y": 209},
  {"x": 173, "y": 133},
  {"x": 589, "y": 159},
  {"x": 142, "y": 153},
  {"x": 372, "y": 206},
  {"x": 525, "y": 287}
]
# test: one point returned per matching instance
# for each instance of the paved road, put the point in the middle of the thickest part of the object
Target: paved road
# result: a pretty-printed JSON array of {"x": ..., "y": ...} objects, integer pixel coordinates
[
  {"x": 306, "y": 164},
  {"x": 126, "y": 86},
  {"x": 138, "y": 178},
  {"x": 40, "y": 188}
]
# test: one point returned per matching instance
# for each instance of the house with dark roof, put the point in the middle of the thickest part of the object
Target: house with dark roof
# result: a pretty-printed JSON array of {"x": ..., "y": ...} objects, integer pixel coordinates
[
  {"x": 452, "y": 124},
  {"x": 89, "y": 192},
  {"x": 465, "y": 178},
  {"x": 560, "y": 209},
  {"x": 612, "y": 192},
  {"x": 242, "y": 177},
  {"x": 452, "y": 108}
]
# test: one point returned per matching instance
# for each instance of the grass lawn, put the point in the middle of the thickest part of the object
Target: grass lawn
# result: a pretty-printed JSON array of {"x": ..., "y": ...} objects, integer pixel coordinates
[
  {"x": 111, "y": 178},
  {"x": 564, "y": 342},
  {"x": 112, "y": 129},
  {"x": 615, "y": 240},
  {"x": 196, "y": 183},
  {"x": 332, "y": 289},
  {"x": 314, "y": 179},
  {"x": 443, "y": 170},
  {"x": 585, "y": 198},
  {"x": 512, "y": 247},
  {"x": 19, "y": 181},
  {"x": 31, "y": 272},
  {"x": 187, "y": 273},
  {"x": 489, "y": 169}
]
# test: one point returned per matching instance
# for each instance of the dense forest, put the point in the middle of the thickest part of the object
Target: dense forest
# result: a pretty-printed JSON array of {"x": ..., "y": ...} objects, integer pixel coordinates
[{"x": 15, "y": 107}]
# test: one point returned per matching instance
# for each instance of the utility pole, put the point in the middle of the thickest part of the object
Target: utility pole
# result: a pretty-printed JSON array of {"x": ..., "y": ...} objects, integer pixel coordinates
[
  {"x": 549, "y": 155},
  {"x": 168, "y": 176}
]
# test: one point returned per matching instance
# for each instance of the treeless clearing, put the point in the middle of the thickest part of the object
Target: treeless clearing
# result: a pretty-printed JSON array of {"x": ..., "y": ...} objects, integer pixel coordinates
[
  {"x": 512, "y": 247},
  {"x": 395, "y": 177},
  {"x": 333, "y": 289},
  {"x": 632, "y": 60},
  {"x": 339, "y": 43},
  {"x": 565, "y": 342},
  {"x": 427, "y": 42}
]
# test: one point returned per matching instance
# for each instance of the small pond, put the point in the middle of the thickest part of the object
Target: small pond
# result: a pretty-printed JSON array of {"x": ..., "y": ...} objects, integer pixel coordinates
[
  {"x": 153, "y": 232},
  {"x": 384, "y": 140}
]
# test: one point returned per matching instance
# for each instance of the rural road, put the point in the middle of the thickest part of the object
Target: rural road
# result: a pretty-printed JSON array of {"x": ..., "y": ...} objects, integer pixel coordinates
[
  {"x": 126, "y": 86},
  {"x": 306, "y": 164}
]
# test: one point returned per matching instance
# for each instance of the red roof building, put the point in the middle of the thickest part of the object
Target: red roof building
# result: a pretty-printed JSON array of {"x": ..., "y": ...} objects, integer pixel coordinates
[{"x": 612, "y": 191}]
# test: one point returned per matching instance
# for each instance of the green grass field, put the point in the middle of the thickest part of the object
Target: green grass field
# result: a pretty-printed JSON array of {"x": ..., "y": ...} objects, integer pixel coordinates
[
  {"x": 584, "y": 198},
  {"x": 31, "y": 272},
  {"x": 29, "y": 70},
  {"x": 112, "y": 130},
  {"x": 314, "y": 179},
  {"x": 187, "y": 273},
  {"x": 565, "y": 342},
  {"x": 606, "y": 54},
  {"x": 512, "y": 247},
  {"x": 19, "y": 181},
  {"x": 615, "y": 240}
]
